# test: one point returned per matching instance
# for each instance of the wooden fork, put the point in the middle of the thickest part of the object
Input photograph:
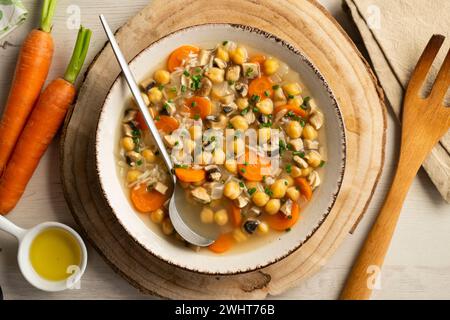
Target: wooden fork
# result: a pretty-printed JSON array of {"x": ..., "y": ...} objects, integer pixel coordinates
[{"x": 425, "y": 121}]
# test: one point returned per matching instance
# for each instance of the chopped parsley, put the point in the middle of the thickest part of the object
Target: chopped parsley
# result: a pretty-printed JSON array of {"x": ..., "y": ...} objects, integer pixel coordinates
[
  {"x": 299, "y": 153},
  {"x": 186, "y": 73},
  {"x": 255, "y": 109},
  {"x": 248, "y": 72},
  {"x": 183, "y": 88},
  {"x": 243, "y": 170},
  {"x": 288, "y": 229},
  {"x": 268, "y": 191},
  {"x": 245, "y": 111},
  {"x": 161, "y": 87},
  {"x": 267, "y": 93},
  {"x": 251, "y": 191},
  {"x": 276, "y": 87},
  {"x": 255, "y": 98},
  {"x": 184, "y": 166},
  {"x": 289, "y": 168},
  {"x": 139, "y": 162},
  {"x": 193, "y": 104},
  {"x": 241, "y": 184},
  {"x": 230, "y": 82},
  {"x": 322, "y": 163},
  {"x": 196, "y": 117},
  {"x": 225, "y": 43},
  {"x": 290, "y": 97},
  {"x": 157, "y": 118},
  {"x": 282, "y": 147}
]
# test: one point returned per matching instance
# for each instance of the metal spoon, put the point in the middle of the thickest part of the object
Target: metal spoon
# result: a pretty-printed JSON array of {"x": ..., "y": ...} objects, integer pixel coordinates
[{"x": 179, "y": 224}]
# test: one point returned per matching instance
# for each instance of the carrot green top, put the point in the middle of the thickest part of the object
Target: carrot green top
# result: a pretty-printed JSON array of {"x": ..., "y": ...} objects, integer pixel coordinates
[
  {"x": 48, "y": 9},
  {"x": 78, "y": 55}
]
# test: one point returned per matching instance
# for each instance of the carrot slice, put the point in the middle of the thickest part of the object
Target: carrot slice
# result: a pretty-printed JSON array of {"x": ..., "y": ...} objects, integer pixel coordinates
[
  {"x": 141, "y": 121},
  {"x": 235, "y": 214},
  {"x": 280, "y": 222},
  {"x": 147, "y": 201},
  {"x": 167, "y": 124},
  {"x": 223, "y": 243},
  {"x": 198, "y": 107},
  {"x": 258, "y": 58},
  {"x": 305, "y": 188},
  {"x": 290, "y": 107},
  {"x": 261, "y": 87},
  {"x": 252, "y": 171},
  {"x": 190, "y": 175},
  {"x": 179, "y": 55}
]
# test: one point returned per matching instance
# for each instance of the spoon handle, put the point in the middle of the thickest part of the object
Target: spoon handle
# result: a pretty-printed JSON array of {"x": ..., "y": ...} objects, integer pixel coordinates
[
  {"x": 11, "y": 228},
  {"x": 137, "y": 94}
]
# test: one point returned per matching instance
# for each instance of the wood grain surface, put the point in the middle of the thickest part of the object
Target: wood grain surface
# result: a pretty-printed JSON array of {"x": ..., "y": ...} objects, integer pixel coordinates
[{"x": 417, "y": 266}]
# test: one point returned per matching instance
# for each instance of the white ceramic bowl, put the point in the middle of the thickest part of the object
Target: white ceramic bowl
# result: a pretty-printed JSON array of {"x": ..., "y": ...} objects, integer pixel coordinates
[{"x": 278, "y": 246}]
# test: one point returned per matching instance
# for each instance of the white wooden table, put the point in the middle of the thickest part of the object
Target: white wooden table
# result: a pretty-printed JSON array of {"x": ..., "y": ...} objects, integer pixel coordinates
[{"x": 418, "y": 263}]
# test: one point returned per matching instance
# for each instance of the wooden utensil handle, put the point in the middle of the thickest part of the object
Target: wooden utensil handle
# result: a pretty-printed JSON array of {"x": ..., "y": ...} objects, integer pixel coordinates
[{"x": 366, "y": 270}]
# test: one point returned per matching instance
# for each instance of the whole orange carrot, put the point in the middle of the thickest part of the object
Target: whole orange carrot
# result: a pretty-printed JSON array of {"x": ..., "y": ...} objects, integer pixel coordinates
[
  {"x": 31, "y": 71},
  {"x": 41, "y": 127}
]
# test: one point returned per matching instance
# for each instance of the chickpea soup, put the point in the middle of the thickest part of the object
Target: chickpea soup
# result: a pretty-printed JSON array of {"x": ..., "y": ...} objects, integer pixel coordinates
[{"x": 244, "y": 136}]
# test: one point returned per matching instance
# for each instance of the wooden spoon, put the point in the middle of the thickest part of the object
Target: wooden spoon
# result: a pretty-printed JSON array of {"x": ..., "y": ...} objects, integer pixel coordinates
[{"x": 425, "y": 121}]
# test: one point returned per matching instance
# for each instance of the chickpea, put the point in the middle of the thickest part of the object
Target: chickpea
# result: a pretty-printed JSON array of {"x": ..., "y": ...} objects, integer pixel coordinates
[
  {"x": 239, "y": 56},
  {"x": 309, "y": 132},
  {"x": 264, "y": 134},
  {"x": 293, "y": 193},
  {"x": 239, "y": 236},
  {"x": 222, "y": 54},
  {"x": 232, "y": 190},
  {"x": 289, "y": 180},
  {"x": 292, "y": 89},
  {"x": 216, "y": 75},
  {"x": 148, "y": 155},
  {"x": 273, "y": 206},
  {"x": 207, "y": 215},
  {"x": 238, "y": 146},
  {"x": 314, "y": 159},
  {"x": 157, "y": 216},
  {"x": 155, "y": 95},
  {"x": 294, "y": 129},
  {"x": 195, "y": 132},
  {"x": 219, "y": 156},
  {"x": 252, "y": 184},
  {"x": 215, "y": 203},
  {"x": 242, "y": 103},
  {"x": 221, "y": 217},
  {"x": 295, "y": 172},
  {"x": 167, "y": 227},
  {"x": 128, "y": 144},
  {"x": 133, "y": 175},
  {"x": 297, "y": 101},
  {"x": 306, "y": 171},
  {"x": 260, "y": 198},
  {"x": 265, "y": 106},
  {"x": 239, "y": 123},
  {"x": 263, "y": 228},
  {"x": 162, "y": 76},
  {"x": 231, "y": 166},
  {"x": 271, "y": 66},
  {"x": 279, "y": 188}
]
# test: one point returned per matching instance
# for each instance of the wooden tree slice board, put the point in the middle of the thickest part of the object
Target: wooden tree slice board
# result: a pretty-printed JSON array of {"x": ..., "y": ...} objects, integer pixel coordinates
[{"x": 304, "y": 24}]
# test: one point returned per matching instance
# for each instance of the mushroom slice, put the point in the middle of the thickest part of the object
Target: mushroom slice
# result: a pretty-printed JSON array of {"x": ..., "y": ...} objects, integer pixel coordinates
[
  {"x": 213, "y": 173},
  {"x": 286, "y": 208},
  {"x": 130, "y": 114},
  {"x": 241, "y": 88},
  {"x": 160, "y": 187},
  {"x": 229, "y": 108},
  {"x": 215, "y": 189},
  {"x": 201, "y": 195},
  {"x": 301, "y": 162},
  {"x": 314, "y": 179},
  {"x": 250, "y": 70},
  {"x": 168, "y": 108},
  {"x": 127, "y": 130},
  {"x": 134, "y": 156},
  {"x": 170, "y": 140},
  {"x": 311, "y": 145},
  {"x": 251, "y": 225},
  {"x": 316, "y": 119},
  {"x": 250, "y": 117},
  {"x": 254, "y": 211},
  {"x": 204, "y": 57},
  {"x": 219, "y": 63},
  {"x": 241, "y": 202},
  {"x": 205, "y": 87},
  {"x": 296, "y": 144},
  {"x": 217, "y": 122}
]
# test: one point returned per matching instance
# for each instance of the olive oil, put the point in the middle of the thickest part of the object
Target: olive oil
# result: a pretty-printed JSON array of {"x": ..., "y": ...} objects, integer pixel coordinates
[{"x": 52, "y": 252}]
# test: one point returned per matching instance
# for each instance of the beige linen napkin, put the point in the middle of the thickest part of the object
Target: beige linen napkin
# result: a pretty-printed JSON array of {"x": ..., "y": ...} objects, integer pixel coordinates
[{"x": 395, "y": 32}]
